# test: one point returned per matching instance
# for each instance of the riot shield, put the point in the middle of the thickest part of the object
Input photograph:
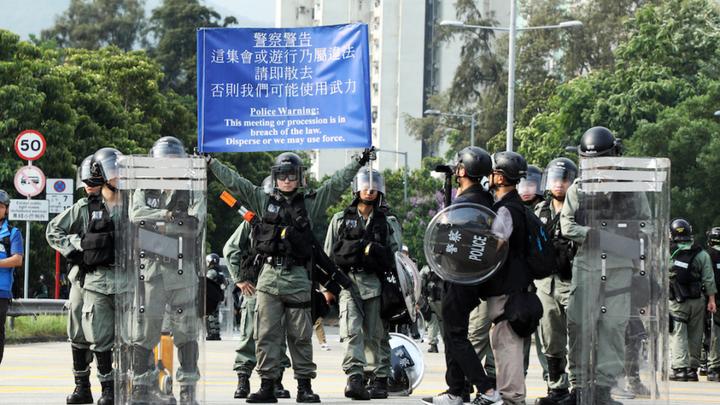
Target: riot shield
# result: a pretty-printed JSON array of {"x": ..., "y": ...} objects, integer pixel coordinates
[
  {"x": 618, "y": 313},
  {"x": 460, "y": 246},
  {"x": 160, "y": 258},
  {"x": 409, "y": 282},
  {"x": 407, "y": 365}
]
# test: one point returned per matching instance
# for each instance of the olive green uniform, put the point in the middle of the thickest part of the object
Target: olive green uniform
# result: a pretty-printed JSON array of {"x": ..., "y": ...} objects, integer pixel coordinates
[
  {"x": 688, "y": 316},
  {"x": 284, "y": 290},
  {"x": 479, "y": 335},
  {"x": 63, "y": 235},
  {"x": 554, "y": 293},
  {"x": 434, "y": 328},
  {"x": 713, "y": 355},
  {"x": 363, "y": 336},
  {"x": 163, "y": 284},
  {"x": 597, "y": 307},
  {"x": 235, "y": 249}
]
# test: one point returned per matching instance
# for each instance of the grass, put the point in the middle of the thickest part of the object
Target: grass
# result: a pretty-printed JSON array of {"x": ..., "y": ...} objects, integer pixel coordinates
[{"x": 36, "y": 328}]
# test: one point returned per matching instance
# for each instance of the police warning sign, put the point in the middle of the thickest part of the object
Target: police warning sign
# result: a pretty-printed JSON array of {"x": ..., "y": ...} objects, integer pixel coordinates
[{"x": 283, "y": 88}]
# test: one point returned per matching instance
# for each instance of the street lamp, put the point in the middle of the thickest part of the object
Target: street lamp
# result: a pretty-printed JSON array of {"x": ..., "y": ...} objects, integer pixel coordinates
[
  {"x": 511, "y": 57},
  {"x": 405, "y": 172},
  {"x": 471, "y": 116}
]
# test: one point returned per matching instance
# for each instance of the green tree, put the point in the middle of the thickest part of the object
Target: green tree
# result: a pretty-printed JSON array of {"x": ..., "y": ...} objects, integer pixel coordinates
[
  {"x": 93, "y": 24},
  {"x": 171, "y": 40},
  {"x": 658, "y": 96}
]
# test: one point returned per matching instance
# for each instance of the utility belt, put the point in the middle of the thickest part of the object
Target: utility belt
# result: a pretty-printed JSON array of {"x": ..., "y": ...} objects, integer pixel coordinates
[{"x": 285, "y": 261}]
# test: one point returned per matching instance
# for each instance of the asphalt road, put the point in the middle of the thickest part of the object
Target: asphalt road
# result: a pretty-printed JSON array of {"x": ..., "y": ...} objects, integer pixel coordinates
[{"x": 41, "y": 373}]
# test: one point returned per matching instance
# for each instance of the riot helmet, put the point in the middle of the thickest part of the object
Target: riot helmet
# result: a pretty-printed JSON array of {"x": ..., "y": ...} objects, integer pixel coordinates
[
  {"x": 104, "y": 164},
  {"x": 212, "y": 260},
  {"x": 368, "y": 179},
  {"x": 168, "y": 146},
  {"x": 599, "y": 141},
  {"x": 84, "y": 175},
  {"x": 681, "y": 230},
  {"x": 475, "y": 160},
  {"x": 713, "y": 236},
  {"x": 4, "y": 198},
  {"x": 530, "y": 187},
  {"x": 559, "y": 174},
  {"x": 511, "y": 165},
  {"x": 288, "y": 166}
]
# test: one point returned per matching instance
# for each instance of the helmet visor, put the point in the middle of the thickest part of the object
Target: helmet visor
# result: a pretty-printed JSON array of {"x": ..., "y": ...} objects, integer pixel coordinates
[
  {"x": 367, "y": 180},
  {"x": 4, "y": 198},
  {"x": 530, "y": 185},
  {"x": 558, "y": 177}
]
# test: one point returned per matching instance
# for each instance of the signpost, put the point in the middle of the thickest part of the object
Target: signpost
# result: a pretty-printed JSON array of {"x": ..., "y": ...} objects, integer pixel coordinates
[
  {"x": 29, "y": 181},
  {"x": 59, "y": 194}
]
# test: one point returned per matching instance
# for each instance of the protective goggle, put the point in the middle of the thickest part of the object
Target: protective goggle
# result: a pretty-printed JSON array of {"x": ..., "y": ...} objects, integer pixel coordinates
[{"x": 287, "y": 176}]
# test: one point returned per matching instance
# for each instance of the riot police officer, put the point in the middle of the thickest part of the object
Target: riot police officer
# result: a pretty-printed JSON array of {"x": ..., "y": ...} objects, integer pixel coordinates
[
  {"x": 611, "y": 292},
  {"x": 215, "y": 275},
  {"x": 285, "y": 239},
  {"x": 98, "y": 257},
  {"x": 166, "y": 287},
  {"x": 554, "y": 290},
  {"x": 530, "y": 188},
  {"x": 64, "y": 234},
  {"x": 691, "y": 276},
  {"x": 244, "y": 265},
  {"x": 472, "y": 164},
  {"x": 361, "y": 240},
  {"x": 713, "y": 356},
  {"x": 11, "y": 256}
]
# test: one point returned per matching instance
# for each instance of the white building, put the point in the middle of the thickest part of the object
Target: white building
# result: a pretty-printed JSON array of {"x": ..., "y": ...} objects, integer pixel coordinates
[{"x": 397, "y": 37}]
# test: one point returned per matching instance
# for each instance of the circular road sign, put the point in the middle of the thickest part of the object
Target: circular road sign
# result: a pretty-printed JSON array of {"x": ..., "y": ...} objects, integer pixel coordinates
[
  {"x": 59, "y": 186},
  {"x": 29, "y": 181},
  {"x": 30, "y": 145}
]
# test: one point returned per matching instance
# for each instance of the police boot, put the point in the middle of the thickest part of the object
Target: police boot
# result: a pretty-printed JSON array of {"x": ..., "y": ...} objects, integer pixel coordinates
[
  {"x": 355, "y": 388},
  {"x": 703, "y": 368},
  {"x": 108, "y": 393},
  {"x": 713, "y": 374},
  {"x": 573, "y": 398},
  {"x": 305, "y": 393},
  {"x": 81, "y": 363},
  {"x": 692, "y": 374},
  {"x": 679, "y": 374},
  {"x": 433, "y": 348},
  {"x": 603, "y": 397},
  {"x": 187, "y": 395},
  {"x": 554, "y": 397},
  {"x": 213, "y": 336},
  {"x": 280, "y": 391},
  {"x": 243, "y": 387},
  {"x": 379, "y": 388},
  {"x": 82, "y": 393},
  {"x": 140, "y": 395},
  {"x": 266, "y": 393}
]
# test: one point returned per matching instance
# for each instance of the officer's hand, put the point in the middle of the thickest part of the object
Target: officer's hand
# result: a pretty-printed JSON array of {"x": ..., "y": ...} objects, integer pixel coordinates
[
  {"x": 367, "y": 155},
  {"x": 711, "y": 304},
  {"x": 246, "y": 287},
  {"x": 329, "y": 297}
]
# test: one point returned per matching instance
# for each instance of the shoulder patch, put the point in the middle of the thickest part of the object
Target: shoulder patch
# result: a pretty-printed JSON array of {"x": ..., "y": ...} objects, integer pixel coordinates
[{"x": 274, "y": 208}]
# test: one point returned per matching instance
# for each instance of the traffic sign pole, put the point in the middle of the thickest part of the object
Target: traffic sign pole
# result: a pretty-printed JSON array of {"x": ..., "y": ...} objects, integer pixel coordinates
[{"x": 26, "y": 257}]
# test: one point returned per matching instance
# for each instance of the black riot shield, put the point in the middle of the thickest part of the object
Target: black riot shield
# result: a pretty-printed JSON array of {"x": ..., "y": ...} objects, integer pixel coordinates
[{"x": 460, "y": 245}]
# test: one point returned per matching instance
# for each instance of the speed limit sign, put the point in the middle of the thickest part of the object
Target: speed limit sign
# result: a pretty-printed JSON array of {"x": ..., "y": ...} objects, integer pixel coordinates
[{"x": 30, "y": 145}]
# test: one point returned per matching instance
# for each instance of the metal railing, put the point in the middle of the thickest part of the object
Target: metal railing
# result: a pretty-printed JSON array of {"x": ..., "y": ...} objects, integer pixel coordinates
[{"x": 40, "y": 306}]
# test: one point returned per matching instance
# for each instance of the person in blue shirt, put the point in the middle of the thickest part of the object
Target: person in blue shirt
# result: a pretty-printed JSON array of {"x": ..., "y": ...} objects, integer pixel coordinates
[{"x": 11, "y": 256}]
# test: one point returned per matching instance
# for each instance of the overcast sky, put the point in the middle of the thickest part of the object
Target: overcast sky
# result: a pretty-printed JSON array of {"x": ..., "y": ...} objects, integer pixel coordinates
[{"x": 31, "y": 17}]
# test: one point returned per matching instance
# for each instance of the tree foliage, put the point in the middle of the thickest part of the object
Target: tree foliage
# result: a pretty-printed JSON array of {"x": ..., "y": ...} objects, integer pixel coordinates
[
  {"x": 659, "y": 96},
  {"x": 93, "y": 24}
]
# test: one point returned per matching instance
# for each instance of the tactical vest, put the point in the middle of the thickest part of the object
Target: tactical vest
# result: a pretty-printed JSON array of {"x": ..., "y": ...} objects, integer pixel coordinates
[
  {"x": 350, "y": 250},
  {"x": 715, "y": 257},
  {"x": 98, "y": 243},
  {"x": 565, "y": 249},
  {"x": 686, "y": 279},
  {"x": 284, "y": 230}
]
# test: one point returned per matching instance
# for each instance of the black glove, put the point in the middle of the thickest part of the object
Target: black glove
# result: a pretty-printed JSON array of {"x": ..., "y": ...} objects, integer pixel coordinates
[{"x": 367, "y": 155}]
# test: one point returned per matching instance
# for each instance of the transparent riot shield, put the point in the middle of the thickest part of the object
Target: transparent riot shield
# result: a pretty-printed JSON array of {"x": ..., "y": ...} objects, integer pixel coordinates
[
  {"x": 409, "y": 282},
  {"x": 407, "y": 365},
  {"x": 160, "y": 254},
  {"x": 460, "y": 245},
  {"x": 618, "y": 313}
]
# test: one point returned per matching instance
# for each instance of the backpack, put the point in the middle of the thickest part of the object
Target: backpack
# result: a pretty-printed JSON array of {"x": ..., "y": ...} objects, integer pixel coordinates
[{"x": 539, "y": 251}]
